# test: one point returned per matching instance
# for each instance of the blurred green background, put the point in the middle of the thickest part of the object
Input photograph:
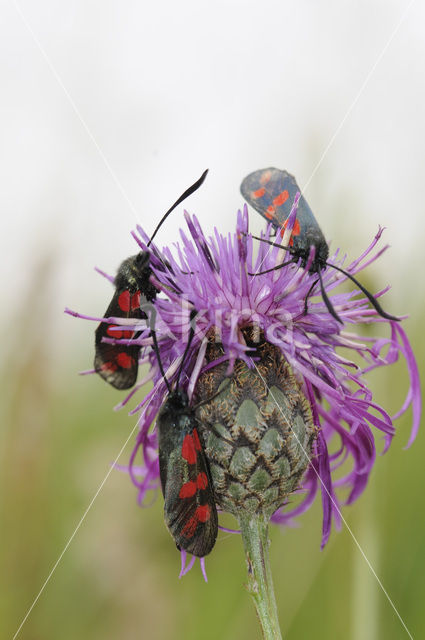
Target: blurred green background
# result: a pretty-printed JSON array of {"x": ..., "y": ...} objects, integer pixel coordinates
[{"x": 109, "y": 111}]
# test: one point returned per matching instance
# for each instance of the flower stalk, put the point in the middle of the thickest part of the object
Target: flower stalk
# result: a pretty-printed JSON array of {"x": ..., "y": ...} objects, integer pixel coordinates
[{"x": 256, "y": 543}]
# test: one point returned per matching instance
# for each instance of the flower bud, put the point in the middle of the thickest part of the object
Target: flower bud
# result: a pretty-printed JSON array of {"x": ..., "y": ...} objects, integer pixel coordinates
[{"x": 258, "y": 430}]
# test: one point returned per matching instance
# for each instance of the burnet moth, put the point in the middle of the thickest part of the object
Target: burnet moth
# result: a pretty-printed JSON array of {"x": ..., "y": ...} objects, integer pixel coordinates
[
  {"x": 190, "y": 511},
  {"x": 272, "y": 192},
  {"x": 118, "y": 363}
]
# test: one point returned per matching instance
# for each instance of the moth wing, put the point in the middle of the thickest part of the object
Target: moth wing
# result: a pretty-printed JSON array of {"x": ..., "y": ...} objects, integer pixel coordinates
[
  {"x": 189, "y": 503},
  {"x": 118, "y": 363},
  {"x": 272, "y": 192},
  {"x": 260, "y": 188}
]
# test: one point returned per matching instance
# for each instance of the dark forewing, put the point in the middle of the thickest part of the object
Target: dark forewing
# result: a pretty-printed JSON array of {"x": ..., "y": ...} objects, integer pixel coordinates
[
  {"x": 262, "y": 188},
  {"x": 189, "y": 504},
  {"x": 118, "y": 363},
  {"x": 272, "y": 193}
]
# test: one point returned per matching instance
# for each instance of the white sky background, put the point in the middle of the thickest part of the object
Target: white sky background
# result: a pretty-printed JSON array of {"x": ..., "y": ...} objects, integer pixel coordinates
[{"x": 168, "y": 89}]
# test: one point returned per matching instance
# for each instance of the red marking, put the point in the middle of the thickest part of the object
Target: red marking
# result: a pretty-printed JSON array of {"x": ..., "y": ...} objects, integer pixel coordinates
[
  {"x": 120, "y": 333},
  {"x": 295, "y": 231},
  {"x": 203, "y": 513},
  {"x": 124, "y": 360},
  {"x": 188, "y": 490},
  {"x": 269, "y": 212},
  {"x": 201, "y": 480},
  {"x": 259, "y": 193},
  {"x": 190, "y": 527},
  {"x": 124, "y": 301},
  {"x": 281, "y": 198},
  {"x": 189, "y": 449},
  {"x": 111, "y": 333},
  {"x": 265, "y": 177},
  {"x": 109, "y": 366},
  {"x": 196, "y": 440},
  {"x": 135, "y": 300}
]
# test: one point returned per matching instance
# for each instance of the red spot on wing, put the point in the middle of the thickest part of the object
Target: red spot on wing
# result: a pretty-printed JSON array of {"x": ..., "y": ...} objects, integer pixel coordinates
[
  {"x": 281, "y": 198},
  {"x": 190, "y": 527},
  {"x": 111, "y": 331},
  {"x": 196, "y": 440},
  {"x": 188, "y": 490},
  {"x": 295, "y": 231},
  {"x": 202, "y": 481},
  {"x": 259, "y": 193},
  {"x": 109, "y": 366},
  {"x": 135, "y": 301},
  {"x": 124, "y": 360},
  {"x": 189, "y": 449},
  {"x": 203, "y": 513},
  {"x": 124, "y": 301},
  {"x": 269, "y": 212},
  {"x": 118, "y": 333}
]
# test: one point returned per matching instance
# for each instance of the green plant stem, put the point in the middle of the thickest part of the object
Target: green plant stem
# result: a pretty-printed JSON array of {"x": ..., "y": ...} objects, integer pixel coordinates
[{"x": 256, "y": 542}]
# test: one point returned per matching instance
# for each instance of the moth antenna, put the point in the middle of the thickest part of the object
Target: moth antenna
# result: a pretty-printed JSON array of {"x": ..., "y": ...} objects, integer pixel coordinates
[
  {"x": 326, "y": 300},
  {"x": 193, "y": 314},
  {"x": 158, "y": 357},
  {"x": 310, "y": 291},
  {"x": 183, "y": 196},
  {"x": 367, "y": 293}
]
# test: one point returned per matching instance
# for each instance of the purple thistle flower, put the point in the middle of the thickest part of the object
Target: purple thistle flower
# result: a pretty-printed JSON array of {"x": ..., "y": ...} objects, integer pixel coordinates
[{"x": 211, "y": 275}]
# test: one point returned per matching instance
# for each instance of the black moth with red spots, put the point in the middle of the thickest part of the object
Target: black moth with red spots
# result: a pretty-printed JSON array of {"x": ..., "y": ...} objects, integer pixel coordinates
[
  {"x": 190, "y": 512},
  {"x": 118, "y": 363},
  {"x": 272, "y": 192}
]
